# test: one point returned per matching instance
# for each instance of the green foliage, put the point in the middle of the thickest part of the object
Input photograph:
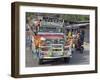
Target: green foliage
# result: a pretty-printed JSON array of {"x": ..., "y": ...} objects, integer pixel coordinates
[
  {"x": 71, "y": 17},
  {"x": 68, "y": 17}
]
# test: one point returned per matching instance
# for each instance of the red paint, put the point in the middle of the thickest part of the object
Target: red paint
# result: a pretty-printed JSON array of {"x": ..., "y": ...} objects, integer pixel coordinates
[{"x": 51, "y": 36}]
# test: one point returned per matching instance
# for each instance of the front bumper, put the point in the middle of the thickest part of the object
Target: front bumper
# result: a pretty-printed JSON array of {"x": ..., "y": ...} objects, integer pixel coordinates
[{"x": 55, "y": 56}]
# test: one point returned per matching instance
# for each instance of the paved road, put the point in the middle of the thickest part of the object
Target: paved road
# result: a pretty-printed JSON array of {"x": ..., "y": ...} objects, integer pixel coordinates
[{"x": 77, "y": 58}]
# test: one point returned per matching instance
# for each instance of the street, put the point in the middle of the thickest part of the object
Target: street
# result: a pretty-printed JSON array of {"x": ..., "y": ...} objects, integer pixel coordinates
[{"x": 77, "y": 58}]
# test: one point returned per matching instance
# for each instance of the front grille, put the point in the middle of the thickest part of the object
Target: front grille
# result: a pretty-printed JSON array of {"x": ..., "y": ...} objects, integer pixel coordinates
[{"x": 57, "y": 50}]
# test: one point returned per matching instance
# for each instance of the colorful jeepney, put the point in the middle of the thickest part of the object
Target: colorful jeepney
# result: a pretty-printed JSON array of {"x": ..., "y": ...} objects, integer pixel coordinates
[{"x": 52, "y": 42}]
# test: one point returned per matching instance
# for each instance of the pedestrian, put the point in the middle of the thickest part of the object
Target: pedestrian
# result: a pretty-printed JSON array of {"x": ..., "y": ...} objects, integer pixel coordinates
[
  {"x": 82, "y": 37},
  {"x": 37, "y": 24},
  {"x": 69, "y": 33},
  {"x": 28, "y": 36}
]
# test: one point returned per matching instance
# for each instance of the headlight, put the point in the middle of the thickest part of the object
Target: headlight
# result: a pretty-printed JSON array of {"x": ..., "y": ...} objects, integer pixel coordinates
[{"x": 42, "y": 38}]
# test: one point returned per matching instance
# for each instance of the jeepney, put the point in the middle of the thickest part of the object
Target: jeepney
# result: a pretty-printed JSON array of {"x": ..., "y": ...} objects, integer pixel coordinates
[{"x": 54, "y": 41}]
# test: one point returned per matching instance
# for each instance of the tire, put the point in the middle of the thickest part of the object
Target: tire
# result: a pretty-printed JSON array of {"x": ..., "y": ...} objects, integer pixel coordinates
[
  {"x": 72, "y": 52},
  {"x": 66, "y": 60},
  {"x": 40, "y": 61},
  {"x": 81, "y": 50}
]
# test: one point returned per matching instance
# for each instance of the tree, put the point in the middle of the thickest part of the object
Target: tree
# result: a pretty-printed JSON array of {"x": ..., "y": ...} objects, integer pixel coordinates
[{"x": 71, "y": 17}]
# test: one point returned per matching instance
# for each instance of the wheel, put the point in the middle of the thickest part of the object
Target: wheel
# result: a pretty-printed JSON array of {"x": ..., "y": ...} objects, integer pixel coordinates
[
  {"x": 67, "y": 59},
  {"x": 40, "y": 61},
  {"x": 81, "y": 50},
  {"x": 72, "y": 52}
]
